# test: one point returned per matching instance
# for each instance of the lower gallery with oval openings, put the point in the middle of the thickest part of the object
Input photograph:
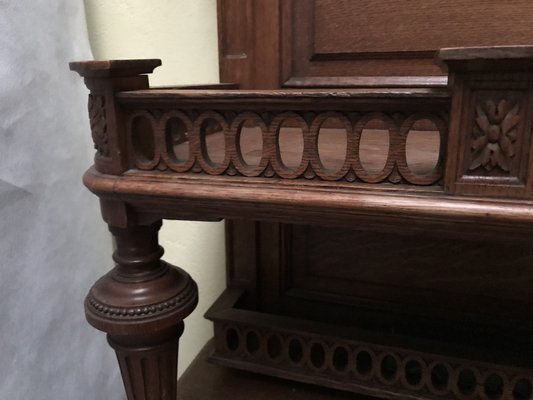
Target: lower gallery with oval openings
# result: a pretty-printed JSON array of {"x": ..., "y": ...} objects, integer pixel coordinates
[{"x": 353, "y": 327}]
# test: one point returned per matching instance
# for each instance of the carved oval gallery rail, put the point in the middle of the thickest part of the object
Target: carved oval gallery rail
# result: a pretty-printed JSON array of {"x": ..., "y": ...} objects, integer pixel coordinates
[
  {"x": 286, "y": 144},
  {"x": 352, "y": 363}
]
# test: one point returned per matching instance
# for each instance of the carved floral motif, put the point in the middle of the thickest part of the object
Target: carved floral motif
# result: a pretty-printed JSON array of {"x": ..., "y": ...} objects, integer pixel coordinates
[
  {"x": 494, "y": 134},
  {"x": 98, "y": 122}
]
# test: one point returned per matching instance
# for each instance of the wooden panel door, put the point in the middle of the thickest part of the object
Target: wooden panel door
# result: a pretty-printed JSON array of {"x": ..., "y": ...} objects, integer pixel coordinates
[{"x": 266, "y": 44}]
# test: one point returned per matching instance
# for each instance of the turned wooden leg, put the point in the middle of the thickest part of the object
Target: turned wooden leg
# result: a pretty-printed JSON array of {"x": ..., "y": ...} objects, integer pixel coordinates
[{"x": 141, "y": 305}]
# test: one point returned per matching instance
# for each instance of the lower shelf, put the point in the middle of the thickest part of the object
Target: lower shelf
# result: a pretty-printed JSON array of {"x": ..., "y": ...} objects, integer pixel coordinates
[
  {"x": 359, "y": 361},
  {"x": 206, "y": 381}
]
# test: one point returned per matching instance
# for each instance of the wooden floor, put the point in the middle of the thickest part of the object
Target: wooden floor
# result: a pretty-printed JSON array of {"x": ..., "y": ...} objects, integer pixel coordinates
[{"x": 206, "y": 381}]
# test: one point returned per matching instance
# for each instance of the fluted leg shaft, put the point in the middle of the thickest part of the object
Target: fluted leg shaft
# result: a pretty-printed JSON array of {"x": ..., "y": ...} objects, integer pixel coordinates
[
  {"x": 141, "y": 305},
  {"x": 149, "y": 365}
]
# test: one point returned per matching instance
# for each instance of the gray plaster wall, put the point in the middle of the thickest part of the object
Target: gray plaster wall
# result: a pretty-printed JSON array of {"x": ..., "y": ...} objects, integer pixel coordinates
[{"x": 53, "y": 244}]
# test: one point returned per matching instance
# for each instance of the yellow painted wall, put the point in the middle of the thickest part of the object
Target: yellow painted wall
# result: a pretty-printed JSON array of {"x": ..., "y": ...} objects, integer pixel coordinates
[{"x": 183, "y": 33}]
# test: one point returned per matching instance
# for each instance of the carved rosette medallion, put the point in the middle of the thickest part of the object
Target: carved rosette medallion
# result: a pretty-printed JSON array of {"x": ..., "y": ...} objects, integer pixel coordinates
[
  {"x": 97, "y": 117},
  {"x": 494, "y": 134}
]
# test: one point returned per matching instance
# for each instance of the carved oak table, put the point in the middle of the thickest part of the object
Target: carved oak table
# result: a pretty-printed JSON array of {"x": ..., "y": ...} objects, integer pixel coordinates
[{"x": 179, "y": 154}]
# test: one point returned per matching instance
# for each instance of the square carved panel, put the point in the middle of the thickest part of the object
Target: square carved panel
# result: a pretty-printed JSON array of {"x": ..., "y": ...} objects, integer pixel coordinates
[
  {"x": 495, "y": 136},
  {"x": 490, "y": 138}
]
